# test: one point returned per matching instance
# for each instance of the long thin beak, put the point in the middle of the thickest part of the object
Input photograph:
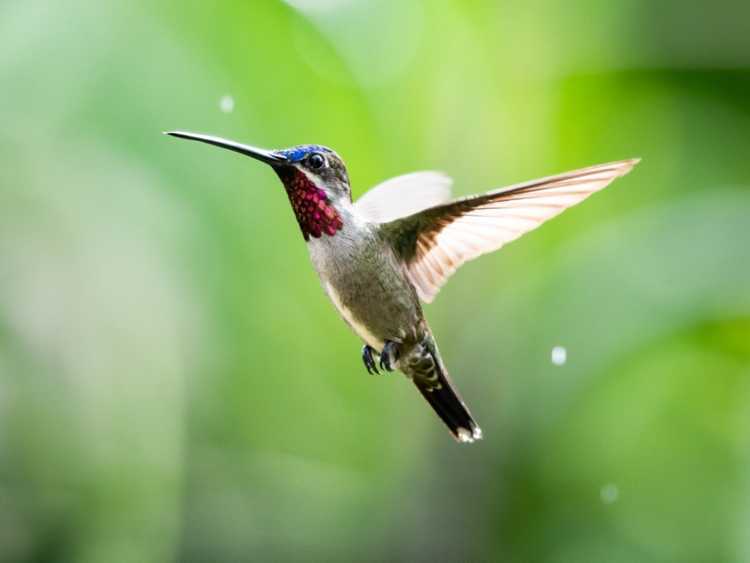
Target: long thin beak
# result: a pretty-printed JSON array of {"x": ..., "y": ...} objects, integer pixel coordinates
[{"x": 270, "y": 157}]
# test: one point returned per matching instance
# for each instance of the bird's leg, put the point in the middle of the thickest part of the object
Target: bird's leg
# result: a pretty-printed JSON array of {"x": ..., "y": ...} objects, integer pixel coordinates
[
  {"x": 368, "y": 359},
  {"x": 389, "y": 355}
]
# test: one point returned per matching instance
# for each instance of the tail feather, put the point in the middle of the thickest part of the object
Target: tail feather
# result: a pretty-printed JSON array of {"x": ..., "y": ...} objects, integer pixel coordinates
[
  {"x": 448, "y": 405},
  {"x": 432, "y": 380}
]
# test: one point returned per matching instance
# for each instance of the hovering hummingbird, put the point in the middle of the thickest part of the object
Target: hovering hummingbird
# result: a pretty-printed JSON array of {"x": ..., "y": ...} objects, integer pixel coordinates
[{"x": 379, "y": 257}]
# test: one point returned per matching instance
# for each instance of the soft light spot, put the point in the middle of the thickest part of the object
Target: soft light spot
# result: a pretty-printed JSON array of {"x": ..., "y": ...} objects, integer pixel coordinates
[
  {"x": 371, "y": 53},
  {"x": 226, "y": 104},
  {"x": 609, "y": 493},
  {"x": 317, "y": 6},
  {"x": 559, "y": 355}
]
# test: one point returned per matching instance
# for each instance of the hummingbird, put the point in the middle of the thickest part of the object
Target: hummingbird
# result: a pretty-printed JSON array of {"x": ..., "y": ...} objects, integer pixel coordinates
[{"x": 380, "y": 257}]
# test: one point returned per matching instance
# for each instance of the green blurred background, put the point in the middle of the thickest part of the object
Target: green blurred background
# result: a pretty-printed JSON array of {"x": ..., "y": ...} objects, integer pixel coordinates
[{"x": 174, "y": 385}]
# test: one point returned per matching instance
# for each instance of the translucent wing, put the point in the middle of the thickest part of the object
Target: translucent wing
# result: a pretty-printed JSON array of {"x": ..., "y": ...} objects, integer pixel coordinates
[
  {"x": 404, "y": 195},
  {"x": 435, "y": 242}
]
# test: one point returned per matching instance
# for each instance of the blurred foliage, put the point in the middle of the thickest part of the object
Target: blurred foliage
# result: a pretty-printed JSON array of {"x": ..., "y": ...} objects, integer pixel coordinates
[{"x": 174, "y": 385}]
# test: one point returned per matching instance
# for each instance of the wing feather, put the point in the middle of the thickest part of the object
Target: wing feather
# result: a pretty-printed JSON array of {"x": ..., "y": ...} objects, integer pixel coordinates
[
  {"x": 435, "y": 242},
  {"x": 404, "y": 195}
]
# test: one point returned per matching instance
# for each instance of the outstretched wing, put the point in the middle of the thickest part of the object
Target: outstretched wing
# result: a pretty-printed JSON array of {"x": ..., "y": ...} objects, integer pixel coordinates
[
  {"x": 404, "y": 195},
  {"x": 435, "y": 242}
]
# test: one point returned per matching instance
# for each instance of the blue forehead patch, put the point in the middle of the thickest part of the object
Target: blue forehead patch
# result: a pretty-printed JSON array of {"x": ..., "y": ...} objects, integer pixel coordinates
[{"x": 295, "y": 154}]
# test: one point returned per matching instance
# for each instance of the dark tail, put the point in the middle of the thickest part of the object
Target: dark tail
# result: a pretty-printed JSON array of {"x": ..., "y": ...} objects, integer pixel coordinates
[{"x": 431, "y": 378}]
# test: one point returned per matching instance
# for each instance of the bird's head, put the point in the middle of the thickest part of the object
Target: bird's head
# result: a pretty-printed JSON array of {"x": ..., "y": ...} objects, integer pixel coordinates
[{"x": 314, "y": 176}]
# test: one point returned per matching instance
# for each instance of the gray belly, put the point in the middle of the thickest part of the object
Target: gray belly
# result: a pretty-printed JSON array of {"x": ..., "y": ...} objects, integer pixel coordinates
[{"x": 366, "y": 284}]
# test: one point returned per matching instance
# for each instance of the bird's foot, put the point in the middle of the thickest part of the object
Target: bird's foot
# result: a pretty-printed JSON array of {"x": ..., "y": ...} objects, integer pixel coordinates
[
  {"x": 369, "y": 361},
  {"x": 389, "y": 356}
]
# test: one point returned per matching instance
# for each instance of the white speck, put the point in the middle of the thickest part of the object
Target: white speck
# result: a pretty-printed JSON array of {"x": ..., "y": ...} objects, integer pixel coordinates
[
  {"x": 467, "y": 436},
  {"x": 559, "y": 355},
  {"x": 226, "y": 104},
  {"x": 609, "y": 493}
]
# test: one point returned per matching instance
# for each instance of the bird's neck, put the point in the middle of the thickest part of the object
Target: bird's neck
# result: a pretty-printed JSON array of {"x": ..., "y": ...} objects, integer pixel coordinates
[{"x": 316, "y": 214}]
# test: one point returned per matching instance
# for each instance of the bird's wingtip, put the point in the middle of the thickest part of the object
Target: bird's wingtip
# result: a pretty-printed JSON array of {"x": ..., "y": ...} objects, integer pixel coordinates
[
  {"x": 625, "y": 162},
  {"x": 631, "y": 163},
  {"x": 625, "y": 166}
]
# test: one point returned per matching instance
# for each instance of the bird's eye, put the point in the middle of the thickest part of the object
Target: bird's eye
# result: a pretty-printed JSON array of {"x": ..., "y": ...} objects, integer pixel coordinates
[{"x": 316, "y": 160}]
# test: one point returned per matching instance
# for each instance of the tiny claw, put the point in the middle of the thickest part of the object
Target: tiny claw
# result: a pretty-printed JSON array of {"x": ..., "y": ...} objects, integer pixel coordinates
[
  {"x": 383, "y": 364},
  {"x": 368, "y": 360},
  {"x": 389, "y": 356}
]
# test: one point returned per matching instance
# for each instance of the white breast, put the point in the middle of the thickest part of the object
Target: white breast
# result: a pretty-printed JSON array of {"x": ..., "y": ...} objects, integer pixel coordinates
[
  {"x": 358, "y": 328},
  {"x": 336, "y": 254}
]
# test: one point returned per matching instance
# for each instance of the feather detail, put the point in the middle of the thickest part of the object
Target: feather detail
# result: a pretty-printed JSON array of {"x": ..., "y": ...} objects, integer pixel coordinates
[
  {"x": 435, "y": 242},
  {"x": 404, "y": 195}
]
